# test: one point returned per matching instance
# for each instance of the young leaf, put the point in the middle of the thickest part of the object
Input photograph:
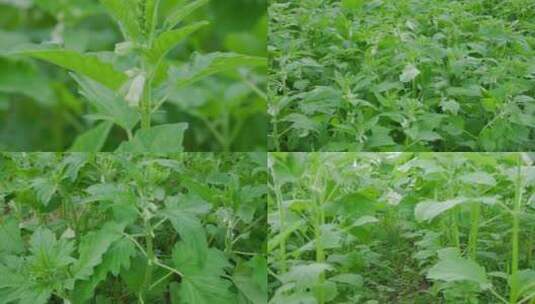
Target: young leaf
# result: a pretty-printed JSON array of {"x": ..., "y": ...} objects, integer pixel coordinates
[
  {"x": 163, "y": 138},
  {"x": 125, "y": 13},
  {"x": 109, "y": 105},
  {"x": 181, "y": 12},
  {"x": 166, "y": 41},
  {"x": 84, "y": 64},
  {"x": 92, "y": 140}
]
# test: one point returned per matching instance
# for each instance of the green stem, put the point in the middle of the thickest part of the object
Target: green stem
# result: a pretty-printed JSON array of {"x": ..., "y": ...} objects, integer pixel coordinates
[
  {"x": 282, "y": 219},
  {"x": 475, "y": 213},
  {"x": 320, "y": 253},
  {"x": 149, "y": 250},
  {"x": 513, "y": 296}
]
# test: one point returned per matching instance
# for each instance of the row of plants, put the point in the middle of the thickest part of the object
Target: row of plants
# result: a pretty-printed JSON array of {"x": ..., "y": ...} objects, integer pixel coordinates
[
  {"x": 402, "y": 75},
  {"x": 132, "y": 228},
  {"x": 401, "y": 228}
]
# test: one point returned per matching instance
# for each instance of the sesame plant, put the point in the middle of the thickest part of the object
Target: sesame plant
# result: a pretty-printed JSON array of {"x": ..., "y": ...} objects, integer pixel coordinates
[
  {"x": 401, "y": 228},
  {"x": 131, "y": 90},
  {"x": 125, "y": 228},
  {"x": 390, "y": 75}
]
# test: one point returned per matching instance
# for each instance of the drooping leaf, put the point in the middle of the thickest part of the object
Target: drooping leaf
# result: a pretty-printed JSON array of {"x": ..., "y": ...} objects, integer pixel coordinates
[
  {"x": 83, "y": 64},
  {"x": 163, "y": 138},
  {"x": 92, "y": 140},
  {"x": 305, "y": 275},
  {"x": 203, "y": 66},
  {"x": 428, "y": 210}
]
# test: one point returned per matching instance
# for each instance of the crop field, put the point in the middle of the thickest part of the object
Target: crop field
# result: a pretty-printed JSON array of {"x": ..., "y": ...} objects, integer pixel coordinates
[
  {"x": 406, "y": 228},
  {"x": 402, "y": 75},
  {"x": 119, "y": 228},
  {"x": 106, "y": 75}
]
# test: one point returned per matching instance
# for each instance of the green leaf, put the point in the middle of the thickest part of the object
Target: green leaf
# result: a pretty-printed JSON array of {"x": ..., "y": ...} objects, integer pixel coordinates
[
  {"x": 44, "y": 188},
  {"x": 92, "y": 140},
  {"x": 251, "y": 279},
  {"x": 181, "y": 12},
  {"x": 48, "y": 253},
  {"x": 305, "y": 275},
  {"x": 183, "y": 211},
  {"x": 24, "y": 78},
  {"x": 456, "y": 269},
  {"x": 525, "y": 280},
  {"x": 10, "y": 238},
  {"x": 125, "y": 13},
  {"x": 203, "y": 66},
  {"x": 118, "y": 257},
  {"x": 163, "y": 138},
  {"x": 202, "y": 282},
  {"x": 479, "y": 178},
  {"x": 84, "y": 64},
  {"x": 410, "y": 72},
  {"x": 351, "y": 279},
  {"x": 166, "y": 41},
  {"x": 428, "y": 210},
  {"x": 363, "y": 220},
  {"x": 108, "y": 104},
  {"x": 93, "y": 246}
]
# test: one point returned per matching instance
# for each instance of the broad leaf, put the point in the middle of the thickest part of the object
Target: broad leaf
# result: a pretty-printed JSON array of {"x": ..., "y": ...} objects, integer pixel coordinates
[
  {"x": 117, "y": 258},
  {"x": 428, "y": 210},
  {"x": 202, "y": 282},
  {"x": 163, "y": 138},
  {"x": 93, "y": 246},
  {"x": 456, "y": 269},
  {"x": 183, "y": 212},
  {"x": 92, "y": 140},
  {"x": 10, "y": 238},
  {"x": 251, "y": 279}
]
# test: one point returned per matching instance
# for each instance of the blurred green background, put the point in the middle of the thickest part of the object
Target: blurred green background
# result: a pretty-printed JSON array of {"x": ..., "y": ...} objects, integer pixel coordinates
[{"x": 41, "y": 109}]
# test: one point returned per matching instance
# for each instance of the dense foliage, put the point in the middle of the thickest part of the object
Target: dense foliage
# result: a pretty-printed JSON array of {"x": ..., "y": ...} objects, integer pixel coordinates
[
  {"x": 402, "y": 75},
  {"x": 401, "y": 228},
  {"x": 119, "y": 228},
  {"x": 195, "y": 69}
]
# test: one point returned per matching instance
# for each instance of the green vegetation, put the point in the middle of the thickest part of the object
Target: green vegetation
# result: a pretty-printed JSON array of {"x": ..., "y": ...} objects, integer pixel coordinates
[
  {"x": 402, "y": 75},
  {"x": 401, "y": 228},
  {"x": 119, "y": 228},
  {"x": 191, "y": 72}
]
